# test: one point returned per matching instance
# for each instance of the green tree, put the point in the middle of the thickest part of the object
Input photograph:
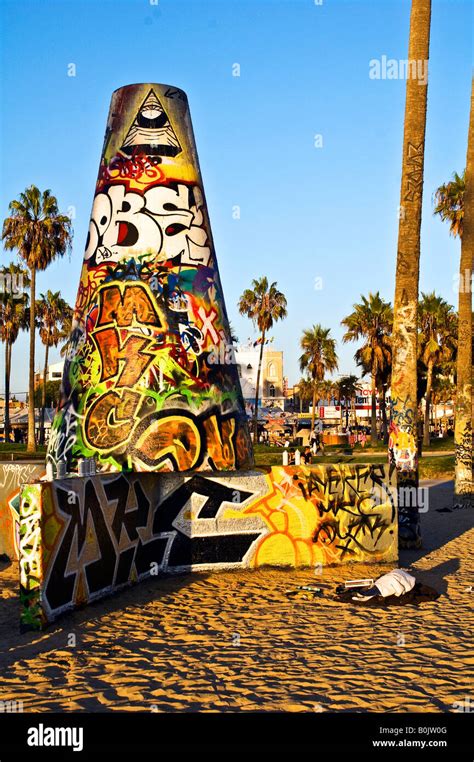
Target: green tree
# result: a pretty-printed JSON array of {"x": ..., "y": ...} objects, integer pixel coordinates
[
  {"x": 347, "y": 390},
  {"x": 53, "y": 394},
  {"x": 444, "y": 391},
  {"x": 437, "y": 343},
  {"x": 264, "y": 304},
  {"x": 449, "y": 203},
  {"x": 319, "y": 357},
  {"x": 305, "y": 391},
  {"x": 13, "y": 318},
  {"x": 53, "y": 313},
  {"x": 371, "y": 320},
  {"x": 39, "y": 233}
]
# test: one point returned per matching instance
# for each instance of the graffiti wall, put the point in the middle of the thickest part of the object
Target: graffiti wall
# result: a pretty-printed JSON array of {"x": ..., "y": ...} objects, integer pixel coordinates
[
  {"x": 97, "y": 534},
  {"x": 12, "y": 477},
  {"x": 150, "y": 381}
]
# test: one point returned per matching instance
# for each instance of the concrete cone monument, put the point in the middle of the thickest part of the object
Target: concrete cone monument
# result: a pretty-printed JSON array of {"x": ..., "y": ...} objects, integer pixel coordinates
[
  {"x": 150, "y": 464},
  {"x": 150, "y": 382}
]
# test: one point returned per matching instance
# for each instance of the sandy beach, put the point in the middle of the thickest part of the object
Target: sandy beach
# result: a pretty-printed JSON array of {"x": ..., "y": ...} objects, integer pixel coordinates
[{"x": 233, "y": 642}]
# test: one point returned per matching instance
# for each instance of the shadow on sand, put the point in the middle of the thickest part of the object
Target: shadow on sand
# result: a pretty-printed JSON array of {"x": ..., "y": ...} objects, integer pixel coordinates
[{"x": 438, "y": 529}]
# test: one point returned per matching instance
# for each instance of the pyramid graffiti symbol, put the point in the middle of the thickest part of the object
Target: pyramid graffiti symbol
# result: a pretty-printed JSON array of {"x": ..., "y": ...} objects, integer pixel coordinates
[{"x": 151, "y": 131}]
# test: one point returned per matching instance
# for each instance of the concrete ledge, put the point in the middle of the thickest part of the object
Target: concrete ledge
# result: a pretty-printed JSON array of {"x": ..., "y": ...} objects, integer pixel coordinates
[{"x": 82, "y": 538}]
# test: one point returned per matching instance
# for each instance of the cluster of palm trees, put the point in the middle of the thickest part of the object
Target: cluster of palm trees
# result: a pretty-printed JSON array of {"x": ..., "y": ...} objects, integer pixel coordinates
[
  {"x": 417, "y": 331},
  {"x": 39, "y": 234},
  {"x": 370, "y": 323}
]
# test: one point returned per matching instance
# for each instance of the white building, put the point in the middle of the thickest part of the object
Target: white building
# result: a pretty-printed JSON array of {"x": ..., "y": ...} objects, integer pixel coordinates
[
  {"x": 271, "y": 386},
  {"x": 55, "y": 373}
]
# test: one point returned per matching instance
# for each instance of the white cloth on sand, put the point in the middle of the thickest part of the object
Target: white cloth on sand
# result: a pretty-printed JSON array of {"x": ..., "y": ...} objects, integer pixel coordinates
[{"x": 397, "y": 582}]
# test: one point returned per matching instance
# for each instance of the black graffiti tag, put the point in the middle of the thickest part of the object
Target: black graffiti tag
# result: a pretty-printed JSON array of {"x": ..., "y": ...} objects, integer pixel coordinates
[{"x": 114, "y": 526}]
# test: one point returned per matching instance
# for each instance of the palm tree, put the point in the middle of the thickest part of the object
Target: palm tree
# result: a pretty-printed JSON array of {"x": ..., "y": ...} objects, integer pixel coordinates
[
  {"x": 403, "y": 425},
  {"x": 384, "y": 376},
  {"x": 319, "y": 357},
  {"x": 449, "y": 203},
  {"x": 371, "y": 320},
  {"x": 53, "y": 314},
  {"x": 66, "y": 330},
  {"x": 39, "y": 234},
  {"x": 347, "y": 390},
  {"x": 437, "y": 325},
  {"x": 305, "y": 391},
  {"x": 455, "y": 204},
  {"x": 264, "y": 304},
  {"x": 13, "y": 318},
  {"x": 444, "y": 391}
]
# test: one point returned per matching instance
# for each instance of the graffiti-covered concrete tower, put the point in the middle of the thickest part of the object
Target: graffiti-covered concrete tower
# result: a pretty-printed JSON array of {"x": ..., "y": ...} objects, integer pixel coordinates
[
  {"x": 150, "y": 382},
  {"x": 150, "y": 385}
]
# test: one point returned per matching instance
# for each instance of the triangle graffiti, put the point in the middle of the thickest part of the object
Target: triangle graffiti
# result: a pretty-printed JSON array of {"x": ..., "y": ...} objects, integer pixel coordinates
[{"x": 151, "y": 132}]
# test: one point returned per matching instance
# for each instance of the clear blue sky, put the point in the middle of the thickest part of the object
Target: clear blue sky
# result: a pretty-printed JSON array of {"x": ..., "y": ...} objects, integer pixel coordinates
[{"x": 306, "y": 212}]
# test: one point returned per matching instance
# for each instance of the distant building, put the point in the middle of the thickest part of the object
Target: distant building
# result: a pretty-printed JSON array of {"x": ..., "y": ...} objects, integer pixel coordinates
[
  {"x": 271, "y": 387},
  {"x": 55, "y": 373}
]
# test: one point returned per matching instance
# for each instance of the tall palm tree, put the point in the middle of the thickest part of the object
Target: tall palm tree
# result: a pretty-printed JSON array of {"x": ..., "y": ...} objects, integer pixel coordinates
[
  {"x": 402, "y": 445},
  {"x": 372, "y": 320},
  {"x": 39, "y": 234},
  {"x": 347, "y": 391},
  {"x": 53, "y": 314},
  {"x": 455, "y": 204},
  {"x": 384, "y": 376},
  {"x": 319, "y": 357},
  {"x": 437, "y": 343},
  {"x": 13, "y": 318},
  {"x": 264, "y": 304}
]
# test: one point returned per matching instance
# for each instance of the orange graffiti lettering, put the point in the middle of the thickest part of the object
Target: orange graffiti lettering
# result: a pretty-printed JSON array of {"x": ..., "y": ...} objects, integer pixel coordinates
[
  {"x": 133, "y": 354},
  {"x": 176, "y": 437},
  {"x": 120, "y": 302},
  {"x": 111, "y": 419},
  {"x": 219, "y": 442}
]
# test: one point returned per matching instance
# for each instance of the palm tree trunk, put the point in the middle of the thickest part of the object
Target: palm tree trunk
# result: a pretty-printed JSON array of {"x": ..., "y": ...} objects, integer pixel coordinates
[
  {"x": 313, "y": 409},
  {"x": 383, "y": 411},
  {"x": 403, "y": 428},
  {"x": 429, "y": 384},
  {"x": 6, "y": 425},
  {"x": 43, "y": 396},
  {"x": 463, "y": 476},
  {"x": 373, "y": 412},
  {"x": 31, "y": 447},
  {"x": 259, "y": 369}
]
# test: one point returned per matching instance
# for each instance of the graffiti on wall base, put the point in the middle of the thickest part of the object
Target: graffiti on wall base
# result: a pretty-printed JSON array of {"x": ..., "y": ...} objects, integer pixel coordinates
[
  {"x": 12, "y": 476},
  {"x": 103, "y": 532}
]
